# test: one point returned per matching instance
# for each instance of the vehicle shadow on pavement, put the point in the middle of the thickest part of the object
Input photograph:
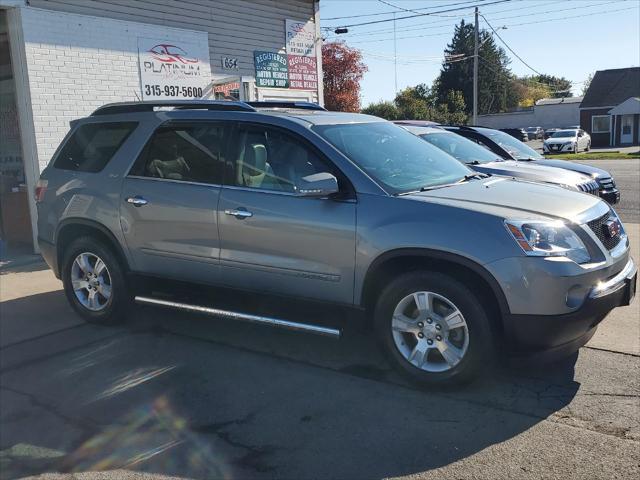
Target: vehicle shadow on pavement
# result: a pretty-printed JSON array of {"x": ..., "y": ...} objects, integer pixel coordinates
[{"x": 178, "y": 394}]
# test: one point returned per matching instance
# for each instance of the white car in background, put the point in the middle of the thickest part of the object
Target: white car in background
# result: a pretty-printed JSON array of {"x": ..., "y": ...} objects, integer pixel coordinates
[{"x": 567, "y": 141}]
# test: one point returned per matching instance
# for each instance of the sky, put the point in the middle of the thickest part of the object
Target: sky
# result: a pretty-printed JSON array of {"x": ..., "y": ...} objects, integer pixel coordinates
[{"x": 566, "y": 38}]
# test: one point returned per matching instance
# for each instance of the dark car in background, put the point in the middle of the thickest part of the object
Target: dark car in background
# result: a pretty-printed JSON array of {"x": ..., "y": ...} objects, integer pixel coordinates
[
  {"x": 483, "y": 160},
  {"x": 535, "y": 133},
  {"x": 519, "y": 133},
  {"x": 510, "y": 148}
]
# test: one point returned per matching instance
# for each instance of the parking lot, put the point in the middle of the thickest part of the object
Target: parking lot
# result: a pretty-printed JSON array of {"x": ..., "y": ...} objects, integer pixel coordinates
[{"x": 178, "y": 395}]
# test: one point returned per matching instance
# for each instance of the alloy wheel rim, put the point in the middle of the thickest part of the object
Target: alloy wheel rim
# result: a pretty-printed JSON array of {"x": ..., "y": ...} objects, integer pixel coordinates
[
  {"x": 91, "y": 281},
  {"x": 430, "y": 332}
]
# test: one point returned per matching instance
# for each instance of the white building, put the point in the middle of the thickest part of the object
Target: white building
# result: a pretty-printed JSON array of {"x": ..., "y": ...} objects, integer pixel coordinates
[
  {"x": 61, "y": 59},
  {"x": 546, "y": 113}
]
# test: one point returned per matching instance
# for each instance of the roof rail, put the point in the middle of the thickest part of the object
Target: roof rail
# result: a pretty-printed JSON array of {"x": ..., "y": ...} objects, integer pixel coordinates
[
  {"x": 150, "y": 106},
  {"x": 285, "y": 104}
]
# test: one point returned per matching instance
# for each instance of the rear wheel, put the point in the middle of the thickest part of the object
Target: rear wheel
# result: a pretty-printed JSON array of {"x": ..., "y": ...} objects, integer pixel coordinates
[
  {"x": 433, "y": 328},
  {"x": 588, "y": 147},
  {"x": 94, "y": 281}
]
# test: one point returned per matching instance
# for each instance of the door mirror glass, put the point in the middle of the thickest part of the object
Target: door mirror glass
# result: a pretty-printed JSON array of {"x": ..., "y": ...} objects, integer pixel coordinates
[{"x": 318, "y": 185}]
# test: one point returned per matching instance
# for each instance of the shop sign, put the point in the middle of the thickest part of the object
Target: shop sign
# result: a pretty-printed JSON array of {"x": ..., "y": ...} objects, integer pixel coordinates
[
  {"x": 303, "y": 72},
  {"x": 271, "y": 69},
  {"x": 173, "y": 69},
  {"x": 227, "y": 90},
  {"x": 300, "y": 38}
]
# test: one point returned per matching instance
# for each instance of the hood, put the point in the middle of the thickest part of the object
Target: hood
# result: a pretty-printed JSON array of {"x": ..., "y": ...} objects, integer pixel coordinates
[
  {"x": 587, "y": 170},
  {"x": 512, "y": 198},
  {"x": 560, "y": 140},
  {"x": 532, "y": 171}
]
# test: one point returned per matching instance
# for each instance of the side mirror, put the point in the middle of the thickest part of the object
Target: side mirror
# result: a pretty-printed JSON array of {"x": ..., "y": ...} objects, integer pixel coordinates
[{"x": 318, "y": 185}]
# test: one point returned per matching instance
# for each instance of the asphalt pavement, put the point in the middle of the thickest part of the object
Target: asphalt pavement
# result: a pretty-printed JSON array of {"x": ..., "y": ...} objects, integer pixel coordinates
[{"x": 171, "y": 395}]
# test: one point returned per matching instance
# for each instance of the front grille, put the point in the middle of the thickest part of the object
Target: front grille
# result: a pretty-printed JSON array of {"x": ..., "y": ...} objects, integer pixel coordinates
[
  {"x": 589, "y": 187},
  {"x": 606, "y": 183},
  {"x": 599, "y": 227}
]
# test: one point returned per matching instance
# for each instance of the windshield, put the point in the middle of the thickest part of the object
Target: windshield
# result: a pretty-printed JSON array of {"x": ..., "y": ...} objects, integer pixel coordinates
[
  {"x": 564, "y": 133},
  {"x": 532, "y": 129},
  {"x": 515, "y": 147},
  {"x": 395, "y": 158},
  {"x": 461, "y": 148}
]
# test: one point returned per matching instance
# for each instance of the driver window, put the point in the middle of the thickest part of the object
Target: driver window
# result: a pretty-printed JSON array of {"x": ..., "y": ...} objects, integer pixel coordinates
[
  {"x": 184, "y": 153},
  {"x": 270, "y": 159}
]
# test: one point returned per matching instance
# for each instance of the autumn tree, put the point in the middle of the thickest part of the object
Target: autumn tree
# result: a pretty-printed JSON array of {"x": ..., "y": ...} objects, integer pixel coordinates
[{"x": 343, "y": 69}]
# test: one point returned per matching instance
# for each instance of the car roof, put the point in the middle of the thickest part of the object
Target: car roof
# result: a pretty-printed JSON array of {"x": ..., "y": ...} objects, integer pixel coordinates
[
  {"x": 418, "y": 130},
  {"x": 301, "y": 112}
]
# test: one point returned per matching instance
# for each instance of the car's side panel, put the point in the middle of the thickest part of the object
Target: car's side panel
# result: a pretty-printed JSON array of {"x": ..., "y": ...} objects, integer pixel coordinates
[
  {"x": 290, "y": 245},
  {"x": 390, "y": 223}
]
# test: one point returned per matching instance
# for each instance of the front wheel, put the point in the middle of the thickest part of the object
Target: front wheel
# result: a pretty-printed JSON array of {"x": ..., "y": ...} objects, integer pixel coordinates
[
  {"x": 94, "y": 281},
  {"x": 433, "y": 328}
]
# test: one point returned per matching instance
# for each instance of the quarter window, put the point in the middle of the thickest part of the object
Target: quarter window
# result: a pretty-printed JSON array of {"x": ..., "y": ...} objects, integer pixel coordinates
[
  {"x": 270, "y": 159},
  {"x": 190, "y": 153},
  {"x": 600, "y": 124},
  {"x": 91, "y": 146}
]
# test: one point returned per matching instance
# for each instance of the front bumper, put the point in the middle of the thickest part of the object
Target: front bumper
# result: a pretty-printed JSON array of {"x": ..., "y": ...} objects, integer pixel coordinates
[
  {"x": 565, "y": 333},
  {"x": 611, "y": 195}
]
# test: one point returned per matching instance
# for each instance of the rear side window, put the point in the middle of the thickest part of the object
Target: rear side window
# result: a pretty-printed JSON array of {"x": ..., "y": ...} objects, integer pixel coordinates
[
  {"x": 188, "y": 153},
  {"x": 92, "y": 145}
]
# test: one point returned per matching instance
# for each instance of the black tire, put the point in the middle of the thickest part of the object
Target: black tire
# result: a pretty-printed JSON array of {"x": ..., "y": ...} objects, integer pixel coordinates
[
  {"x": 480, "y": 350},
  {"x": 588, "y": 147},
  {"x": 115, "y": 308}
]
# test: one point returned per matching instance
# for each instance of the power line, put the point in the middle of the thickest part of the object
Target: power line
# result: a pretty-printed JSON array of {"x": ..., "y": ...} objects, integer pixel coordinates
[
  {"x": 603, "y": 12},
  {"x": 439, "y": 22},
  {"x": 508, "y": 47},
  {"x": 398, "y": 11},
  {"x": 418, "y": 15}
]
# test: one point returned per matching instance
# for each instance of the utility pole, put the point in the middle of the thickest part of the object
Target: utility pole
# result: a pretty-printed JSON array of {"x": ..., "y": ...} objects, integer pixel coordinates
[
  {"x": 395, "y": 54},
  {"x": 475, "y": 73}
]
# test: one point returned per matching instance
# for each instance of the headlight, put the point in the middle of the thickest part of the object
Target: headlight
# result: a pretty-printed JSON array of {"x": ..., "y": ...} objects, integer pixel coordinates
[{"x": 548, "y": 239}]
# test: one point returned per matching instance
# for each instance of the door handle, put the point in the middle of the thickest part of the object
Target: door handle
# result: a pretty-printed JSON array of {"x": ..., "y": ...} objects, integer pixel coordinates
[
  {"x": 137, "y": 201},
  {"x": 239, "y": 213}
]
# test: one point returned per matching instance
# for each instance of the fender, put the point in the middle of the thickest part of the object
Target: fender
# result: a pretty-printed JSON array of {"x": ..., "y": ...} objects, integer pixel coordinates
[
  {"x": 441, "y": 256},
  {"x": 97, "y": 226}
]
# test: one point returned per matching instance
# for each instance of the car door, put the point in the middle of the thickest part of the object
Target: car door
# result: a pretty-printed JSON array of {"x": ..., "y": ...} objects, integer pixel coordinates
[
  {"x": 272, "y": 239},
  {"x": 169, "y": 202}
]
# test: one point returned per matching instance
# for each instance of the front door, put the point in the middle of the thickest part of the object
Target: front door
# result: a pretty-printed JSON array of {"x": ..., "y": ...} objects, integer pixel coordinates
[
  {"x": 169, "y": 202},
  {"x": 626, "y": 130},
  {"x": 273, "y": 240}
]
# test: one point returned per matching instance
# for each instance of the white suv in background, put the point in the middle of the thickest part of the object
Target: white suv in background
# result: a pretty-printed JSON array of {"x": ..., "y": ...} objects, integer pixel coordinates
[{"x": 567, "y": 141}]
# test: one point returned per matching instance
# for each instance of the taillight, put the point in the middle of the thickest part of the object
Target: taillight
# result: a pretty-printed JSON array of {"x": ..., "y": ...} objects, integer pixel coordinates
[{"x": 41, "y": 188}]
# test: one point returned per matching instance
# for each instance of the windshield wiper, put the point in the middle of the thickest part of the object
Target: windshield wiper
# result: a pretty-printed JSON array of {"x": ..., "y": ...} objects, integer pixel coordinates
[
  {"x": 473, "y": 162},
  {"x": 473, "y": 176}
]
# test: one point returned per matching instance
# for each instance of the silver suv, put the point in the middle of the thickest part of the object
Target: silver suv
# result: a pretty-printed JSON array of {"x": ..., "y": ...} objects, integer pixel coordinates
[{"x": 343, "y": 210}]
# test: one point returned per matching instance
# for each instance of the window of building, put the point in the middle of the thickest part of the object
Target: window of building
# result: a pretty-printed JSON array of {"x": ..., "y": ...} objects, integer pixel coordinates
[
  {"x": 600, "y": 124},
  {"x": 191, "y": 153},
  {"x": 92, "y": 145},
  {"x": 270, "y": 159}
]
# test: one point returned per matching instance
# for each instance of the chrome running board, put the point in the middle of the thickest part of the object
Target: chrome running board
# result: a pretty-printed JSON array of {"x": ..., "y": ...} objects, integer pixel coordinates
[{"x": 216, "y": 312}]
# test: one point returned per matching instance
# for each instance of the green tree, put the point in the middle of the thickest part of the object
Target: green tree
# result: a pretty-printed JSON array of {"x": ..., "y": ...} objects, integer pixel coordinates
[
  {"x": 587, "y": 83},
  {"x": 495, "y": 85},
  {"x": 383, "y": 109},
  {"x": 558, "y": 86},
  {"x": 421, "y": 103}
]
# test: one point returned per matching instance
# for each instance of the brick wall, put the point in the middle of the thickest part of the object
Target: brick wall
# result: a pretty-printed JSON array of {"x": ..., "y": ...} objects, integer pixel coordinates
[{"x": 77, "y": 63}]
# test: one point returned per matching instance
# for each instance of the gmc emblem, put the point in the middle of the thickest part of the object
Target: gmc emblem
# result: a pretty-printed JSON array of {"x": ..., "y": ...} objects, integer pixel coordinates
[{"x": 612, "y": 228}]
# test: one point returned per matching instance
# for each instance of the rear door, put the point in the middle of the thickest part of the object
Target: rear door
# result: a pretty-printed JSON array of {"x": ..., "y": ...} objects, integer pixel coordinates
[
  {"x": 274, "y": 240},
  {"x": 169, "y": 202}
]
